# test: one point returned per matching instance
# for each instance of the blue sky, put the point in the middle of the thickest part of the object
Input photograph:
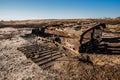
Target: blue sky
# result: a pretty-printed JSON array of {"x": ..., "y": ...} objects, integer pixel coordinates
[{"x": 58, "y": 9}]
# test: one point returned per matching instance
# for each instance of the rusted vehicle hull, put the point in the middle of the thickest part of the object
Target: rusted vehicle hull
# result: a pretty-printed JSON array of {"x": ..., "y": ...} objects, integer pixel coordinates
[{"x": 79, "y": 41}]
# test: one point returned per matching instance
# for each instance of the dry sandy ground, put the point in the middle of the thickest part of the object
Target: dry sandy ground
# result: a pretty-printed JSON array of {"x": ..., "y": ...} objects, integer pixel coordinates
[{"x": 13, "y": 64}]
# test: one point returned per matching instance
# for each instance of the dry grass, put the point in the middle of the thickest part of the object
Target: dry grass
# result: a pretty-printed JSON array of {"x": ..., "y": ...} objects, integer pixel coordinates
[
  {"x": 114, "y": 28},
  {"x": 97, "y": 67},
  {"x": 113, "y": 21}
]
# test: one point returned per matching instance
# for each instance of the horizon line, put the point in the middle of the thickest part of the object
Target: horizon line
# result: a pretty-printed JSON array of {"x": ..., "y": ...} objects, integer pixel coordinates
[{"x": 58, "y": 18}]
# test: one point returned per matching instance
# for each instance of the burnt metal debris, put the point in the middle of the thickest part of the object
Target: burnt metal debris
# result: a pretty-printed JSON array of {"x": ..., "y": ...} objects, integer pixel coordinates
[
  {"x": 86, "y": 41},
  {"x": 66, "y": 42}
]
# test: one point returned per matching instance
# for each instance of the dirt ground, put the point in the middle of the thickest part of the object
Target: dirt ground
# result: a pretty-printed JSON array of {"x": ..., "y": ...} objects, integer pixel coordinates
[{"x": 14, "y": 65}]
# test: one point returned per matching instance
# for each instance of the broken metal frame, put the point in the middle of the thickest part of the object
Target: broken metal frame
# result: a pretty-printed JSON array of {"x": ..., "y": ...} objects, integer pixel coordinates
[{"x": 94, "y": 39}]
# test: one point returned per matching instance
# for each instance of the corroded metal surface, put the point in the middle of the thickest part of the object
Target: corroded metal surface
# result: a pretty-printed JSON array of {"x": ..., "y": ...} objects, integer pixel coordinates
[{"x": 73, "y": 36}]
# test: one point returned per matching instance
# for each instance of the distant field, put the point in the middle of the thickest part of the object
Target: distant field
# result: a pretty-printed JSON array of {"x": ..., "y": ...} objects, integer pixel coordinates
[{"x": 58, "y": 21}]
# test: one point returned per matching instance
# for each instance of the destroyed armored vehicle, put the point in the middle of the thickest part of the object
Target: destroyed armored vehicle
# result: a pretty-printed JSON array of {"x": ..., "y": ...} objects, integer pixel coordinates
[{"x": 77, "y": 38}]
